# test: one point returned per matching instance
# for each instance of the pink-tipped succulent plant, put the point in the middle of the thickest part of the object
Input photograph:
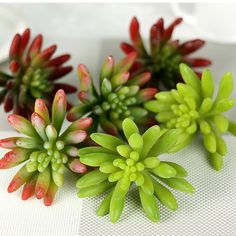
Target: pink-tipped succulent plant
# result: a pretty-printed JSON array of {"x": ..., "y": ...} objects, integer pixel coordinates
[
  {"x": 165, "y": 53},
  {"x": 119, "y": 96},
  {"x": 45, "y": 151},
  {"x": 33, "y": 75}
]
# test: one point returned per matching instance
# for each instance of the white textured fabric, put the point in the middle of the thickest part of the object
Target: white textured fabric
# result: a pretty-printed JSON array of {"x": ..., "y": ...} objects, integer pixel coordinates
[{"x": 210, "y": 211}]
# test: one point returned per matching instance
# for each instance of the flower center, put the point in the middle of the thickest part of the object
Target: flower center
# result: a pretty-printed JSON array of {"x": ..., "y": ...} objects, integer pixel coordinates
[
  {"x": 52, "y": 154},
  {"x": 183, "y": 118},
  {"x": 117, "y": 104},
  {"x": 36, "y": 81}
]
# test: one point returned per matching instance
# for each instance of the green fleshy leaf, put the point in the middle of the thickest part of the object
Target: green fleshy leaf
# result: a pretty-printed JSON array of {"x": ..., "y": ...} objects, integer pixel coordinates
[
  {"x": 165, "y": 143},
  {"x": 149, "y": 205},
  {"x": 190, "y": 78},
  {"x": 207, "y": 84},
  {"x": 107, "y": 141},
  {"x": 92, "y": 178},
  {"x": 129, "y": 128},
  {"x": 226, "y": 87}
]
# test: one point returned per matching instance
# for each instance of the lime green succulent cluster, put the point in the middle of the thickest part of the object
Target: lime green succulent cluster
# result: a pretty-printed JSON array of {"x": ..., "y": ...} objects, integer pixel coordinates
[
  {"x": 122, "y": 164},
  {"x": 192, "y": 108}
]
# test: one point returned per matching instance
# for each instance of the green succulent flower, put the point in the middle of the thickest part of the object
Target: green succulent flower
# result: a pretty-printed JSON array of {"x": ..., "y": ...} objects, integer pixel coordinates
[
  {"x": 117, "y": 98},
  {"x": 192, "y": 108},
  {"x": 135, "y": 162}
]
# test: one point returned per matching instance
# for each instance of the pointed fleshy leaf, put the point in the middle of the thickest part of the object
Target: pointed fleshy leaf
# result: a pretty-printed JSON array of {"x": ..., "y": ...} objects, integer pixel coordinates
[
  {"x": 22, "y": 125},
  {"x": 41, "y": 109},
  {"x": 147, "y": 186},
  {"x": 207, "y": 84},
  {"x": 75, "y": 137},
  {"x": 59, "y": 109},
  {"x": 165, "y": 143},
  {"x": 76, "y": 166},
  {"x": 179, "y": 184},
  {"x": 150, "y": 137},
  {"x": 28, "y": 143},
  {"x": 50, "y": 195},
  {"x": 135, "y": 35},
  {"x": 108, "y": 126},
  {"x": 92, "y": 178},
  {"x": 29, "y": 188},
  {"x": 15, "y": 47},
  {"x": 85, "y": 78},
  {"x": 226, "y": 87},
  {"x": 95, "y": 189},
  {"x": 140, "y": 79},
  {"x": 8, "y": 143},
  {"x": 77, "y": 112},
  {"x": 106, "y": 87},
  {"x": 145, "y": 95},
  {"x": 107, "y": 68},
  {"x": 80, "y": 124},
  {"x": 126, "y": 63},
  {"x": 129, "y": 128},
  {"x": 165, "y": 196},
  {"x": 119, "y": 79},
  {"x": 19, "y": 179},
  {"x": 39, "y": 124},
  {"x": 190, "y": 78},
  {"x": 107, "y": 141},
  {"x": 43, "y": 183},
  {"x": 14, "y": 158},
  {"x": 117, "y": 201},
  {"x": 103, "y": 209},
  {"x": 149, "y": 205}
]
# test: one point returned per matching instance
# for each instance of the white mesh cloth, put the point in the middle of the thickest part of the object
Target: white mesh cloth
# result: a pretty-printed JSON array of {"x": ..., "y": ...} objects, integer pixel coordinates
[{"x": 210, "y": 211}]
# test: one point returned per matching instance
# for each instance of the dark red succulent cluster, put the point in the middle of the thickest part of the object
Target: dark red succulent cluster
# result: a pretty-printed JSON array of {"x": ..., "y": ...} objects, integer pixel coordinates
[
  {"x": 33, "y": 72},
  {"x": 165, "y": 54}
]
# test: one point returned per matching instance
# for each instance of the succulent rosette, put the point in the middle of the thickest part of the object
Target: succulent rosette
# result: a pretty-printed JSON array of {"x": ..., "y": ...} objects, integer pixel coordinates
[
  {"x": 192, "y": 108},
  {"x": 33, "y": 75},
  {"x": 121, "y": 165},
  {"x": 165, "y": 53},
  {"x": 44, "y": 151},
  {"x": 117, "y": 98}
]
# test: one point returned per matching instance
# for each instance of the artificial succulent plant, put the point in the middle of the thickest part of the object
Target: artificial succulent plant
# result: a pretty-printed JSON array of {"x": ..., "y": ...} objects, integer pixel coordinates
[
  {"x": 121, "y": 164},
  {"x": 117, "y": 98},
  {"x": 192, "y": 108},
  {"x": 45, "y": 152},
  {"x": 165, "y": 53},
  {"x": 33, "y": 75}
]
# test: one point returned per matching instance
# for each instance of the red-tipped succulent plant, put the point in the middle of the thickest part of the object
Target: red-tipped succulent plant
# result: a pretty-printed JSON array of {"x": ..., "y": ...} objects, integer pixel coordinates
[
  {"x": 33, "y": 74},
  {"x": 165, "y": 53},
  {"x": 119, "y": 96},
  {"x": 45, "y": 150}
]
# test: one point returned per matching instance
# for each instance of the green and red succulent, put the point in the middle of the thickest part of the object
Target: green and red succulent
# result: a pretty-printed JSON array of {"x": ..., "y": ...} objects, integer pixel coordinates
[
  {"x": 117, "y": 98},
  {"x": 45, "y": 151},
  {"x": 33, "y": 75},
  {"x": 165, "y": 53}
]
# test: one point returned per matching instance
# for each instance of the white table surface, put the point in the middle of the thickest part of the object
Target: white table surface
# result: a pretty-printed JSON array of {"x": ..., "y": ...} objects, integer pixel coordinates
[{"x": 89, "y": 32}]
